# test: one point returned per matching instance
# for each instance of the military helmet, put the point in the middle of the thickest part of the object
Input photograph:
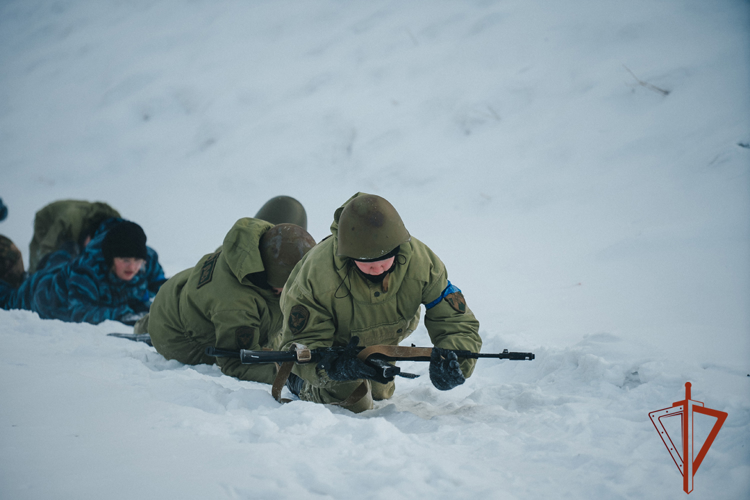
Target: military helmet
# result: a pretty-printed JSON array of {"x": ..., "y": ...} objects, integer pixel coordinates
[
  {"x": 11, "y": 263},
  {"x": 369, "y": 228},
  {"x": 283, "y": 210},
  {"x": 281, "y": 247}
]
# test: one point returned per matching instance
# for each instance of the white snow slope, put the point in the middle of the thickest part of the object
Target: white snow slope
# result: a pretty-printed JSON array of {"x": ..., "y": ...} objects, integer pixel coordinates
[{"x": 582, "y": 168}]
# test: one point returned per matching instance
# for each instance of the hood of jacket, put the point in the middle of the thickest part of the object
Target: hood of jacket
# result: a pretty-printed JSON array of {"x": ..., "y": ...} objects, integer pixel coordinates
[{"x": 241, "y": 248}]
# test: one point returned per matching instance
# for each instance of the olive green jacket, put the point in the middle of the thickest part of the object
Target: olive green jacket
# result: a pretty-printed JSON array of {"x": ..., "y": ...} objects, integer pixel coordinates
[
  {"x": 326, "y": 301},
  {"x": 60, "y": 222},
  {"x": 216, "y": 304}
]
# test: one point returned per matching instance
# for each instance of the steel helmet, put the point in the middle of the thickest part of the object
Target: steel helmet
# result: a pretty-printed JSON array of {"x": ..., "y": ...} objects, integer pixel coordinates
[
  {"x": 11, "y": 263},
  {"x": 281, "y": 247},
  {"x": 283, "y": 210},
  {"x": 369, "y": 228}
]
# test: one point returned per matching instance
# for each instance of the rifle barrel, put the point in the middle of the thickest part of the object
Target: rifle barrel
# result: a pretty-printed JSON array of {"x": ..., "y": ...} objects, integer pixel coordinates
[
  {"x": 221, "y": 353},
  {"x": 252, "y": 357},
  {"x": 515, "y": 356}
]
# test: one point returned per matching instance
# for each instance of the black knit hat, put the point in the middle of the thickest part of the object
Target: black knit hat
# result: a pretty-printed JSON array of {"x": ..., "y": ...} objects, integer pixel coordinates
[{"x": 126, "y": 239}]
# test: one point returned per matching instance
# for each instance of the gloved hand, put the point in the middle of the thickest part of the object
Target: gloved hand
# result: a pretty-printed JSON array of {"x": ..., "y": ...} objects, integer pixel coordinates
[
  {"x": 346, "y": 366},
  {"x": 138, "y": 306},
  {"x": 445, "y": 372},
  {"x": 132, "y": 318}
]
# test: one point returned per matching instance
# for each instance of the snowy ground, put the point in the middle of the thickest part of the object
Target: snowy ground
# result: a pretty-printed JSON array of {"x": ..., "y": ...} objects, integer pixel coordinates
[{"x": 583, "y": 169}]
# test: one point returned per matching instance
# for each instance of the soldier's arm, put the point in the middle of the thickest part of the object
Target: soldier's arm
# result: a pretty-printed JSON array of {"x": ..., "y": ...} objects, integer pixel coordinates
[
  {"x": 449, "y": 320},
  {"x": 309, "y": 323},
  {"x": 83, "y": 301},
  {"x": 241, "y": 329}
]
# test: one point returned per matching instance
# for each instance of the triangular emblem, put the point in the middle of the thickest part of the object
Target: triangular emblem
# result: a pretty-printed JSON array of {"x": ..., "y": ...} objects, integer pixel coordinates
[{"x": 683, "y": 455}]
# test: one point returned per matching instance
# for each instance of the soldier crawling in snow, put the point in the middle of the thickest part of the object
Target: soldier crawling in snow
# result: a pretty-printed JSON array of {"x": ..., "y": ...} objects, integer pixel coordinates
[
  {"x": 365, "y": 284},
  {"x": 66, "y": 224},
  {"x": 230, "y": 299},
  {"x": 113, "y": 278}
]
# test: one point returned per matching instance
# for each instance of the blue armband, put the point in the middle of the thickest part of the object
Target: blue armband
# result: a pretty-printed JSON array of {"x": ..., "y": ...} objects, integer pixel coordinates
[{"x": 448, "y": 290}]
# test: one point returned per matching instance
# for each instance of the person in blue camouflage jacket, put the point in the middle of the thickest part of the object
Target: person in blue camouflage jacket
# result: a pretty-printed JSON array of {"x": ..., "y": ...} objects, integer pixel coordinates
[{"x": 115, "y": 278}]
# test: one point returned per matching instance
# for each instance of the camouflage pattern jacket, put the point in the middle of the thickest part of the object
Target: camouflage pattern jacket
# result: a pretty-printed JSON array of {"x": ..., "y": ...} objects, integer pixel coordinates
[
  {"x": 84, "y": 289},
  {"x": 326, "y": 301}
]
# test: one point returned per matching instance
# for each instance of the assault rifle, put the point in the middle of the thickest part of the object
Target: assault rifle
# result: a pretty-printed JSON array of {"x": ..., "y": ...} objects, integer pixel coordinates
[
  {"x": 377, "y": 356},
  {"x": 135, "y": 337}
]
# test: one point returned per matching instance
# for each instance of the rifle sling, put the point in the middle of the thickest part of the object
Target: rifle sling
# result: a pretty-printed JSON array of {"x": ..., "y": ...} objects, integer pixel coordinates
[
  {"x": 360, "y": 392},
  {"x": 388, "y": 351},
  {"x": 278, "y": 383},
  {"x": 283, "y": 374}
]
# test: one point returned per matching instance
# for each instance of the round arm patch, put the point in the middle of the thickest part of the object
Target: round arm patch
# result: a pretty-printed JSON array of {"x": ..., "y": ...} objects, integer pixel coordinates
[
  {"x": 298, "y": 318},
  {"x": 245, "y": 337}
]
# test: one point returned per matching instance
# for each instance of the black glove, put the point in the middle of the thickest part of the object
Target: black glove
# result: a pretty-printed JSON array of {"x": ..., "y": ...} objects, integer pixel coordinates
[
  {"x": 445, "y": 371},
  {"x": 344, "y": 365}
]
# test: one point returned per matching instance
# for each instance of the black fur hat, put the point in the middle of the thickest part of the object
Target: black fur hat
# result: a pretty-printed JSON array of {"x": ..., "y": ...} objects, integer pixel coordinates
[
  {"x": 126, "y": 239},
  {"x": 11, "y": 263}
]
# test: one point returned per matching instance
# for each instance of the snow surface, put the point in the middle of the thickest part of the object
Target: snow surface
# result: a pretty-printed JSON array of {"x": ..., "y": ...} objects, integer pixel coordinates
[{"x": 581, "y": 167}]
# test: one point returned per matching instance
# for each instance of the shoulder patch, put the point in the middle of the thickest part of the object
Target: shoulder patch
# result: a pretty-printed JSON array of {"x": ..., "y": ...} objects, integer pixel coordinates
[
  {"x": 244, "y": 337},
  {"x": 457, "y": 301},
  {"x": 298, "y": 318},
  {"x": 207, "y": 270}
]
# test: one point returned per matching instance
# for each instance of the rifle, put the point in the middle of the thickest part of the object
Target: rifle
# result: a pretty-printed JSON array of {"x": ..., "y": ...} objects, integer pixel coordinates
[
  {"x": 377, "y": 356},
  {"x": 135, "y": 337}
]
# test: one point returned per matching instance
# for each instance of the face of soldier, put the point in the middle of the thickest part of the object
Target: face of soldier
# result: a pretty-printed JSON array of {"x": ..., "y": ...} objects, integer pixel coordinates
[
  {"x": 375, "y": 268},
  {"x": 126, "y": 268}
]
